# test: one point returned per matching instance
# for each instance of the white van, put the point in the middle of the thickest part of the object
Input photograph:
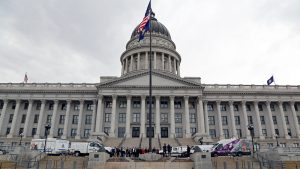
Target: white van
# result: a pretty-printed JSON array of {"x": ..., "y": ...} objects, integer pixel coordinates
[
  {"x": 205, "y": 148},
  {"x": 53, "y": 145},
  {"x": 84, "y": 148}
]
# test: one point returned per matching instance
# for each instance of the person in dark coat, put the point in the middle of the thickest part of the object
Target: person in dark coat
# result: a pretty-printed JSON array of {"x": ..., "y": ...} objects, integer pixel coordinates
[
  {"x": 188, "y": 149},
  {"x": 169, "y": 149},
  {"x": 164, "y": 150}
]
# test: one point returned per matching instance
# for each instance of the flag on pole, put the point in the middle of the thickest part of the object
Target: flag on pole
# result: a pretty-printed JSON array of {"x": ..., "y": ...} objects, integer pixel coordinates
[
  {"x": 144, "y": 26},
  {"x": 25, "y": 78},
  {"x": 270, "y": 81}
]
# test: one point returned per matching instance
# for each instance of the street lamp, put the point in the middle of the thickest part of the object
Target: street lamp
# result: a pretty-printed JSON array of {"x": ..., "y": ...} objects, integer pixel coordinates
[
  {"x": 47, "y": 127},
  {"x": 251, "y": 129},
  {"x": 276, "y": 136},
  {"x": 21, "y": 136}
]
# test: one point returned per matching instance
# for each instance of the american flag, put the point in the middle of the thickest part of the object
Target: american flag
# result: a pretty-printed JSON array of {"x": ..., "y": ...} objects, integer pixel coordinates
[
  {"x": 144, "y": 26},
  {"x": 25, "y": 78}
]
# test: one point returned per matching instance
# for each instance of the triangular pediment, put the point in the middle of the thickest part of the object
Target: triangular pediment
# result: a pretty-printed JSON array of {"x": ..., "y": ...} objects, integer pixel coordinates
[{"x": 141, "y": 79}]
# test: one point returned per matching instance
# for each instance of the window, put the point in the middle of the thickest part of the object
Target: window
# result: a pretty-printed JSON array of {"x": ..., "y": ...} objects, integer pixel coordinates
[
  {"x": 211, "y": 120},
  {"x": 226, "y": 133},
  {"x": 260, "y": 107},
  {"x": 107, "y": 117},
  {"x": 239, "y": 133},
  {"x": 178, "y": 132},
  {"x": 296, "y": 107},
  {"x": 121, "y": 132},
  {"x": 26, "y": 105},
  {"x": 63, "y": 106},
  {"x": 193, "y": 130},
  {"x": 164, "y": 117},
  {"x": 1, "y": 105},
  {"x": 88, "y": 119},
  {"x": 123, "y": 104},
  {"x": 191, "y": 105},
  {"x": 177, "y": 104},
  {"x": 163, "y": 104},
  {"x": 298, "y": 118},
  {"x": 90, "y": 106},
  {"x": 36, "y": 118},
  {"x": 272, "y": 106},
  {"x": 11, "y": 116},
  {"x": 287, "y": 120},
  {"x": 62, "y": 119},
  {"x": 50, "y": 106},
  {"x": 122, "y": 118},
  {"x": 75, "y": 119},
  {"x": 7, "y": 130},
  {"x": 38, "y": 106},
  {"x": 23, "y": 118},
  {"x": 76, "y": 107},
  {"x": 284, "y": 107},
  {"x": 236, "y": 107},
  {"x": 13, "y": 106},
  {"x": 224, "y": 120},
  {"x": 152, "y": 104},
  {"x": 108, "y": 104},
  {"x": 86, "y": 133},
  {"x": 212, "y": 133},
  {"x": 250, "y": 121},
  {"x": 210, "y": 107},
  {"x": 192, "y": 117},
  {"x": 152, "y": 118},
  {"x": 237, "y": 120},
  {"x": 277, "y": 132},
  {"x": 248, "y": 107},
  {"x": 223, "y": 107},
  {"x": 289, "y": 132},
  {"x": 21, "y": 130},
  {"x": 262, "y": 120},
  {"x": 73, "y": 132},
  {"x": 178, "y": 118},
  {"x": 136, "y": 117},
  {"x": 136, "y": 104},
  {"x": 264, "y": 132},
  {"x": 274, "y": 119},
  {"x": 49, "y": 117},
  {"x": 33, "y": 131},
  {"x": 60, "y": 132},
  {"x": 107, "y": 130}
]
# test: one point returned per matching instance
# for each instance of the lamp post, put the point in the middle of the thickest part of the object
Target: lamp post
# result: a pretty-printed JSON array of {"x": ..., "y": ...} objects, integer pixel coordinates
[
  {"x": 251, "y": 129},
  {"x": 21, "y": 136},
  {"x": 276, "y": 136},
  {"x": 47, "y": 127}
]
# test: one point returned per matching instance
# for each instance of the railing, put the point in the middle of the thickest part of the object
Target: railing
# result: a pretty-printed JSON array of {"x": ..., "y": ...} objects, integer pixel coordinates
[
  {"x": 122, "y": 141},
  {"x": 159, "y": 143},
  {"x": 176, "y": 140},
  {"x": 49, "y": 85},
  {"x": 240, "y": 86},
  {"x": 140, "y": 144}
]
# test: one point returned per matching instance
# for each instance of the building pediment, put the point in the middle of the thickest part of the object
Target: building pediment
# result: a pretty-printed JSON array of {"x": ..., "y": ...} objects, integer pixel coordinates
[{"x": 141, "y": 79}]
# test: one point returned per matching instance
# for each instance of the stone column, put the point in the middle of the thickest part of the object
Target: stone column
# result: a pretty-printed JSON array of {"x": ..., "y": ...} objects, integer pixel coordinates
[
  {"x": 174, "y": 65},
  {"x": 113, "y": 116},
  {"x": 178, "y": 69},
  {"x": 257, "y": 116},
  {"x": 187, "y": 117},
  {"x": 206, "y": 118},
  {"x": 200, "y": 116},
  {"x": 157, "y": 116},
  {"x": 143, "y": 115},
  {"x": 220, "y": 120},
  {"x": 163, "y": 61},
  {"x": 123, "y": 66},
  {"x": 99, "y": 116},
  {"x": 126, "y": 65},
  {"x": 154, "y": 66},
  {"x": 138, "y": 61},
  {"x": 131, "y": 63},
  {"x": 234, "y": 133},
  {"x": 28, "y": 117},
  {"x": 248, "y": 136},
  {"x": 93, "y": 117},
  {"x": 270, "y": 117},
  {"x": 146, "y": 61},
  {"x": 283, "y": 120},
  {"x": 172, "y": 116},
  {"x": 295, "y": 119},
  {"x": 79, "y": 125},
  {"x": 170, "y": 64},
  {"x": 3, "y": 115},
  {"x": 128, "y": 115},
  {"x": 14, "y": 121},
  {"x": 53, "y": 119},
  {"x": 40, "y": 122},
  {"x": 67, "y": 118}
]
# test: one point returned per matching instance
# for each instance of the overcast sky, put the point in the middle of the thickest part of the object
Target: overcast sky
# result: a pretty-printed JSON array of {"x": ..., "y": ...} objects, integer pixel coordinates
[{"x": 224, "y": 42}]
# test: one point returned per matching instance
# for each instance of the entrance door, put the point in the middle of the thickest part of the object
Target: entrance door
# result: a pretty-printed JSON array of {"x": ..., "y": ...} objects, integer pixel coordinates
[
  {"x": 164, "y": 132},
  {"x": 150, "y": 132},
  {"x": 135, "y": 132}
]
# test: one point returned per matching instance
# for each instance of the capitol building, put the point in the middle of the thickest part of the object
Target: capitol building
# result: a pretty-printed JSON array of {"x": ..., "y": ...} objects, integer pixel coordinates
[{"x": 117, "y": 108}]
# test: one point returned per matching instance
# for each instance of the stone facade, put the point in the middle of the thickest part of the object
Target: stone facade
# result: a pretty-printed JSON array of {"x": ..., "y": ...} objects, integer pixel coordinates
[{"x": 182, "y": 106}]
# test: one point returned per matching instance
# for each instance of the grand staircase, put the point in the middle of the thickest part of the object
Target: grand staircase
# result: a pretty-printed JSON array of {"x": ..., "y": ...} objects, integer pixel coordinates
[
  {"x": 186, "y": 141},
  {"x": 113, "y": 142}
]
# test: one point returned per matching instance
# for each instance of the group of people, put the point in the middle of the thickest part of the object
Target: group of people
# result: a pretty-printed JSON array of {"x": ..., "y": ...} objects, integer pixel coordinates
[{"x": 130, "y": 152}]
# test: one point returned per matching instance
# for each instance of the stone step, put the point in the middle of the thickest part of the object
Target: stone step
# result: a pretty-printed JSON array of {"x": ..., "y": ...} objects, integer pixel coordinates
[
  {"x": 131, "y": 142},
  {"x": 112, "y": 142},
  {"x": 167, "y": 141},
  {"x": 187, "y": 141}
]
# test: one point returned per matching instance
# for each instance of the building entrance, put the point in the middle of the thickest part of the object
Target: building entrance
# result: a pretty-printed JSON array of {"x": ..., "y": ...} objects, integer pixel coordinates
[
  {"x": 135, "y": 132},
  {"x": 164, "y": 132}
]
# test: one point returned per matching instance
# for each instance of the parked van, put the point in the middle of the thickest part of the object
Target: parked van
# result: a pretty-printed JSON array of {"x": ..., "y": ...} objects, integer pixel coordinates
[
  {"x": 84, "y": 148},
  {"x": 53, "y": 145},
  {"x": 235, "y": 147},
  {"x": 204, "y": 148}
]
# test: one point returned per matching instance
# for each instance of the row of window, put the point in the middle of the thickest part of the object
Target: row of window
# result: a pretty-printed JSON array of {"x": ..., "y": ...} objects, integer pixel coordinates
[
  {"x": 137, "y": 104},
  {"x": 137, "y": 116},
  {"x": 211, "y": 120},
  {"x": 223, "y": 107}
]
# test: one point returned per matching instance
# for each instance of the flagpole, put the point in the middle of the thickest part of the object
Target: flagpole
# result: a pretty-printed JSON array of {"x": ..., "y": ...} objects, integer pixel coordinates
[{"x": 150, "y": 86}]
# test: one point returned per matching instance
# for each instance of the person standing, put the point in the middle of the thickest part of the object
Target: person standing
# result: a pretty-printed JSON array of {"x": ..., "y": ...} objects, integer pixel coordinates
[
  {"x": 164, "y": 150},
  {"x": 169, "y": 150},
  {"x": 188, "y": 149}
]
